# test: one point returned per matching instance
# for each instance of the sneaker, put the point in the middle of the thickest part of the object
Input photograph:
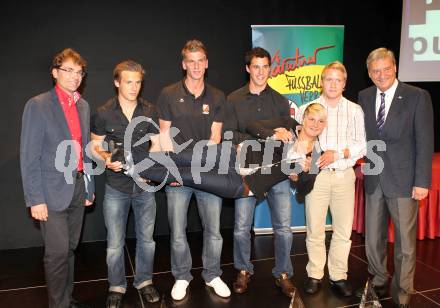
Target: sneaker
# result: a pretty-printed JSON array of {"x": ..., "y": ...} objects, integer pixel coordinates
[
  {"x": 178, "y": 292},
  {"x": 220, "y": 288},
  {"x": 247, "y": 171},
  {"x": 294, "y": 157}
]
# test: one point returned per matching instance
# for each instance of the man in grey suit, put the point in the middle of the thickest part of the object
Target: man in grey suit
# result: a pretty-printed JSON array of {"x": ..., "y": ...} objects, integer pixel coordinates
[
  {"x": 400, "y": 116},
  {"x": 54, "y": 135}
]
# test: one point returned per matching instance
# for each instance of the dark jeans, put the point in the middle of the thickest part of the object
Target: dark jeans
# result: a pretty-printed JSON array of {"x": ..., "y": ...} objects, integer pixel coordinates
[
  {"x": 280, "y": 210},
  {"x": 116, "y": 208},
  {"x": 209, "y": 207},
  {"x": 61, "y": 234}
]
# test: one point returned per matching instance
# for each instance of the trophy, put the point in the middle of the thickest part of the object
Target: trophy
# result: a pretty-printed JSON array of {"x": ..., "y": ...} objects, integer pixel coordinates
[
  {"x": 369, "y": 297},
  {"x": 117, "y": 151},
  {"x": 296, "y": 301}
]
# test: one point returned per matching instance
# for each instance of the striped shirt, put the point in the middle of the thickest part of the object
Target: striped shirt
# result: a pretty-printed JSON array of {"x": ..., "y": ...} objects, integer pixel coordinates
[{"x": 345, "y": 129}]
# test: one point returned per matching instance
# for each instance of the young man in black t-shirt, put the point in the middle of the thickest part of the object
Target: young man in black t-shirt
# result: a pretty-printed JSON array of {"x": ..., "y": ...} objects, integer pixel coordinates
[
  {"x": 109, "y": 124},
  {"x": 195, "y": 108},
  {"x": 258, "y": 101}
]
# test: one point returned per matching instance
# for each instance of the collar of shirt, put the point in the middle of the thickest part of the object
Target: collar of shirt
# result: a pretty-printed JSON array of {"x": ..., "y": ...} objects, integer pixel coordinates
[
  {"x": 119, "y": 113},
  {"x": 248, "y": 92},
  {"x": 186, "y": 91},
  {"x": 389, "y": 95},
  {"x": 322, "y": 101},
  {"x": 116, "y": 105},
  {"x": 66, "y": 98}
]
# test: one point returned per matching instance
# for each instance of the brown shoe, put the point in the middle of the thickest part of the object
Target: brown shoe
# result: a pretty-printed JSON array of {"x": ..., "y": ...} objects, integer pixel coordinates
[
  {"x": 286, "y": 285},
  {"x": 240, "y": 284}
]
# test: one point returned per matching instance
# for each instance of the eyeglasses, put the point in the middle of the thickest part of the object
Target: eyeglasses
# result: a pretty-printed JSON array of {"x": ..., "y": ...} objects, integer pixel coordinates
[{"x": 71, "y": 71}]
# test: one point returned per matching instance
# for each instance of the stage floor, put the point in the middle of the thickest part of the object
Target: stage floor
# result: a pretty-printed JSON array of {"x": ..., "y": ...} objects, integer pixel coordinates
[{"x": 22, "y": 276}]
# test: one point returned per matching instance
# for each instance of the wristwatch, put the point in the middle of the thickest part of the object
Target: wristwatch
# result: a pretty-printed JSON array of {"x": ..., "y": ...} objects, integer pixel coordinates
[{"x": 341, "y": 153}]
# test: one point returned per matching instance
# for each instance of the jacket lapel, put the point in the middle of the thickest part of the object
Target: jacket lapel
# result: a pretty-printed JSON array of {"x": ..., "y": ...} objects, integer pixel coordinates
[
  {"x": 395, "y": 108},
  {"x": 370, "y": 112},
  {"x": 60, "y": 118},
  {"x": 82, "y": 114}
]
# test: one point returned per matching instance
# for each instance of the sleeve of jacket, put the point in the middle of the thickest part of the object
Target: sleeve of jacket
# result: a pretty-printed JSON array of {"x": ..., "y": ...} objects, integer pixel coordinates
[
  {"x": 424, "y": 140},
  {"x": 31, "y": 147}
]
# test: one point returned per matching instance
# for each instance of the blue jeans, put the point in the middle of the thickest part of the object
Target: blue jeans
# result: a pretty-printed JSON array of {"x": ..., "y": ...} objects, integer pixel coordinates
[
  {"x": 280, "y": 206},
  {"x": 209, "y": 207},
  {"x": 116, "y": 207}
]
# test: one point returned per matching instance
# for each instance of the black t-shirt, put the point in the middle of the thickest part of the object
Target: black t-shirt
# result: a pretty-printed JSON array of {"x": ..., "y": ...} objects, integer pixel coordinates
[
  {"x": 110, "y": 121},
  {"x": 243, "y": 108},
  {"x": 192, "y": 116}
]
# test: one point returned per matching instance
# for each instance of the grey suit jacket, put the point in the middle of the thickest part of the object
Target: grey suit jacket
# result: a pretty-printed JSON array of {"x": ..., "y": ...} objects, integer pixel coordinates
[
  {"x": 44, "y": 127},
  {"x": 408, "y": 133}
]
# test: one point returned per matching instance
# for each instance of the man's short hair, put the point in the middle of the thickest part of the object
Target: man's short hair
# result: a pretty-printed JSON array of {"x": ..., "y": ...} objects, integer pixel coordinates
[
  {"x": 335, "y": 65},
  {"x": 380, "y": 53},
  {"x": 68, "y": 54},
  {"x": 193, "y": 46},
  {"x": 127, "y": 65},
  {"x": 256, "y": 52}
]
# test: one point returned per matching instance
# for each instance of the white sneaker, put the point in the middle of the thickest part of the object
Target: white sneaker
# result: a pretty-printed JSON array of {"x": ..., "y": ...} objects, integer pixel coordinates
[
  {"x": 178, "y": 291},
  {"x": 220, "y": 288},
  {"x": 247, "y": 171},
  {"x": 293, "y": 157}
]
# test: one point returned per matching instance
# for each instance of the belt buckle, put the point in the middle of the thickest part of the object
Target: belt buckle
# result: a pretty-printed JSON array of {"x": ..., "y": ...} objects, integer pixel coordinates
[{"x": 79, "y": 174}]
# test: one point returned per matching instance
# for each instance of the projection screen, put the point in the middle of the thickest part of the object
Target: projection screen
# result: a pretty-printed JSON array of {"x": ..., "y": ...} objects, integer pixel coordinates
[{"x": 420, "y": 41}]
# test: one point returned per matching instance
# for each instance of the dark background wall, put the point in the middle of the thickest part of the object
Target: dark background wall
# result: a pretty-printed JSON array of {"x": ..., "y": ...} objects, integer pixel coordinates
[{"x": 152, "y": 33}]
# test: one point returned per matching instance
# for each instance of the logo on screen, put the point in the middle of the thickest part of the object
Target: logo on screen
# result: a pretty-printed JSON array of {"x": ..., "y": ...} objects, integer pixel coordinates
[
  {"x": 425, "y": 38},
  {"x": 298, "y": 76}
]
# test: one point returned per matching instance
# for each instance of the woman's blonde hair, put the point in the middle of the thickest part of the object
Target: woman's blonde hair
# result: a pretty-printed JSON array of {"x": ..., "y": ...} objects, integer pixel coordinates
[{"x": 315, "y": 108}]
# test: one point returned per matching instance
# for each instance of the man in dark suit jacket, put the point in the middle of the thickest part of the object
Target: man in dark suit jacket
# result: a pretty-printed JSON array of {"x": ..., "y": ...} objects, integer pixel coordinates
[
  {"x": 401, "y": 117},
  {"x": 54, "y": 135}
]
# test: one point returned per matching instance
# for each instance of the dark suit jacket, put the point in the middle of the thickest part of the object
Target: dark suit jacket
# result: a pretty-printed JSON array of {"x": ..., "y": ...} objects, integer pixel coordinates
[
  {"x": 44, "y": 127},
  {"x": 408, "y": 134}
]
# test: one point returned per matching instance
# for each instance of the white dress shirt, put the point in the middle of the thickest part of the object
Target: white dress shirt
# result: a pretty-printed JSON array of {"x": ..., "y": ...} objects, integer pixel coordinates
[{"x": 389, "y": 95}]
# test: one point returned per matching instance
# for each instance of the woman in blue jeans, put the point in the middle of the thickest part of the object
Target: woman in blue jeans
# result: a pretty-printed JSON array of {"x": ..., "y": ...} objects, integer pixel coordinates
[{"x": 256, "y": 175}]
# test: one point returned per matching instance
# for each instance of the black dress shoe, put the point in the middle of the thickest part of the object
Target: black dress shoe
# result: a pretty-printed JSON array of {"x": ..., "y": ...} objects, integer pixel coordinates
[
  {"x": 241, "y": 282},
  {"x": 312, "y": 285},
  {"x": 150, "y": 294},
  {"x": 286, "y": 285},
  {"x": 341, "y": 287},
  {"x": 76, "y": 304},
  {"x": 381, "y": 291},
  {"x": 114, "y": 299}
]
